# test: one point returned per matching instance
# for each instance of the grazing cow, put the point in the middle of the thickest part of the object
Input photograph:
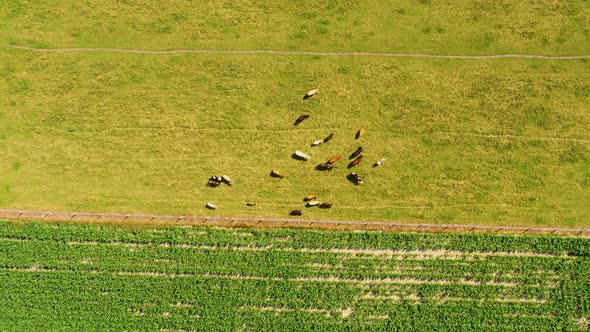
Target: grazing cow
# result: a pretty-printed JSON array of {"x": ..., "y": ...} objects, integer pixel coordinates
[
  {"x": 356, "y": 153},
  {"x": 312, "y": 203},
  {"x": 310, "y": 197},
  {"x": 354, "y": 178},
  {"x": 211, "y": 206},
  {"x": 311, "y": 92},
  {"x": 227, "y": 180},
  {"x": 326, "y": 205},
  {"x": 379, "y": 162},
  {"x": 329, "y": 137},
  {"x": 295, "y": 213},
  {"x": 324, "y": 167},
  {"x": 334, "y": 159},
  {"x": 301, "y": 118},
  {"x": 250, "y": 204},
  {"x": 356, "y": 161},
  {"x": 300, "y": 155},
  {"x": 214, "y": 181},
  {"x": 360, "y": 133},
  {"x": 212, "y": 184},
  {"x": 276, "y": 174},
  {"x": 316, "y": 143}
]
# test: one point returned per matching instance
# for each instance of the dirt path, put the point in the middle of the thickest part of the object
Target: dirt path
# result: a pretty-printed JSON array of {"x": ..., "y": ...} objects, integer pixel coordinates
[
  {"x": 364, "y": 54},
  {"x": 386, "y": 226}
]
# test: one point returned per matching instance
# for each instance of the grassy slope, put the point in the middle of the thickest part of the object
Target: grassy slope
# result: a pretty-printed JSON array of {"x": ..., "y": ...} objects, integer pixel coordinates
[
  {"x": 142, "y": 133},
  {"x": 449, "y": 26},
  {"x": 85, "y": 277}
]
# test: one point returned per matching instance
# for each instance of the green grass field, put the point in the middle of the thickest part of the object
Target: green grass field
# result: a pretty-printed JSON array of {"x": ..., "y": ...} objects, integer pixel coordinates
[
  {"x": 88, "y": 277},
  {"x": 417, "y": 26},
  {"x": 467, "y": 141}
]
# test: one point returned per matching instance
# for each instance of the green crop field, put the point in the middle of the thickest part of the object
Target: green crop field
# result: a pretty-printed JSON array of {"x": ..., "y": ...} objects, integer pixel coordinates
[
  {"x": 90, "y": 277},
  {"x": 497, "y": 141}
]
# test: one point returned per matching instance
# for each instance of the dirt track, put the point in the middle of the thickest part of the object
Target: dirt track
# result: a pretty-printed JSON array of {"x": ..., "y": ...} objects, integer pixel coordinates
[
  {"x": 363, "y": 54},
  {"x": 387, "y": 226}
]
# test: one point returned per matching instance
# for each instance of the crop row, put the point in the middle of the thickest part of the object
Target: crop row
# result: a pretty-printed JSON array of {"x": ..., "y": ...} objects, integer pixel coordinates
[
  {"x": 91, "y": 277},
  {"x": 145, "y": 302},
  {"x": 296, "y": 239},
  {"x": 276, "y": 263}
]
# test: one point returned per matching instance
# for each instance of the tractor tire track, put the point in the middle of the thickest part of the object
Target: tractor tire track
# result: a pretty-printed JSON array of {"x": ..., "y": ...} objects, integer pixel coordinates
[
  {"x": 262, "y": 222},
  {"x": 314, "y": 53}
]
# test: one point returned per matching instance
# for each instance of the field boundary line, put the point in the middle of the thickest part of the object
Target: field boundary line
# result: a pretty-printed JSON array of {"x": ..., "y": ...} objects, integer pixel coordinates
[
  {"x": 317, "y": 53},
  {"x": 262, "y": 222}
]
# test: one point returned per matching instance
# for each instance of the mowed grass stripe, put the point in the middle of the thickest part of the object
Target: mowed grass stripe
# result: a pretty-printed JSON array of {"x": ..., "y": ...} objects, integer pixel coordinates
[
  {"x": 157, "y": 282},
  {"x": 158, "y": 160}
]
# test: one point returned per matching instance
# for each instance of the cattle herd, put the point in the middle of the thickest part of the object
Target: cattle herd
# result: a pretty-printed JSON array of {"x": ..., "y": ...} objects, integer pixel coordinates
[{"x": 311, "y": 200}]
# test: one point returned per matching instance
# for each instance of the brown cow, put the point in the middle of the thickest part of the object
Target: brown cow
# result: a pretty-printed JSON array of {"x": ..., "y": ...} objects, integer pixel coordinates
[
  {"x": 360, "y": 133},
  {"x": 356, "y": 161},
  {"x": 334, "y": 159},
  {"x": 276, "y": 174},
  {"x": 310, "y": 197},
  {"x": 329, "y": 137}
]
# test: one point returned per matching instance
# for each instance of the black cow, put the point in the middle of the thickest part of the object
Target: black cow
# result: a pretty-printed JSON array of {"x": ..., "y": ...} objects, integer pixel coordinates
[
  {"x": 301, "y": 118},
  {"x": 356, "y": 153},
  {"x": 354, "y": 178},
  {"x": 324, "y": 167}
]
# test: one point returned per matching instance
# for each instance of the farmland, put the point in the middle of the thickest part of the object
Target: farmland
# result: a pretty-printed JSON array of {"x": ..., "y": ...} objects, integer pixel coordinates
[
  {"x": 424, "y": 26},
  {"x": 111, "y": 278},
  {"x": 92, "y": 120},
  {"x": 467, "y": 141}
]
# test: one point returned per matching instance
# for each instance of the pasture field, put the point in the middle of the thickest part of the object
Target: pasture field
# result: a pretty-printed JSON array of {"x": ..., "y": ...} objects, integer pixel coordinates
[
  {"x": 503, "y": 142},
  {"x": 417, "y": 26},
  {"x": 90, "y": 277}
]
